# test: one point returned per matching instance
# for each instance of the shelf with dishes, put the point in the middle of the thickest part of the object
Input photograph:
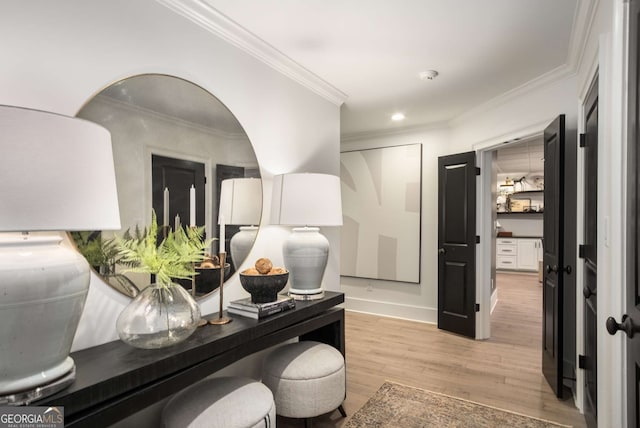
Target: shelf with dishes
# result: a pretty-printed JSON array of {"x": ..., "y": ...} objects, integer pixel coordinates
[{"x": 519, "y": 196}]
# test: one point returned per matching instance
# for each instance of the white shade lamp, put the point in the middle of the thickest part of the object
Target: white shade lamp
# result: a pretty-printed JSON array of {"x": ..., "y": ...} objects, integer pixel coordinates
[
  {"x": 241, "y": 204},
  {"x": 57, "y": 175},
  {"x": 309, "y": 200}
]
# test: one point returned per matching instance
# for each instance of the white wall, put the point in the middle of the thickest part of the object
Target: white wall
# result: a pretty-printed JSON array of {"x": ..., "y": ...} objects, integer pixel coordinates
[
  {"x": 522, "y": 227},
  {"x": 400, "y": 299},
  {"x": 62, "y": 53}
]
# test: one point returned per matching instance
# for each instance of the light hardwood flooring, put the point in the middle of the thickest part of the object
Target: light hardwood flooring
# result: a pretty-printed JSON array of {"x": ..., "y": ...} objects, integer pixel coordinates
[{"x": 503, "y": 371}]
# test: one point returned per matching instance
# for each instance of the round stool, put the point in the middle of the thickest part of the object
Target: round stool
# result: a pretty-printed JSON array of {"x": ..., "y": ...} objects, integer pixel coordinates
[
  {"x": 307, "y": 379},
  {"x": 229, "y": 402}
]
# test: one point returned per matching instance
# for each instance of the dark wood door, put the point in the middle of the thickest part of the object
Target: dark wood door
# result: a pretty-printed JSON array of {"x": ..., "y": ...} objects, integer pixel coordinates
[
  {"x": 457, "y": 243},
  {"x": 177, "y": 175},
  {"x": 589, "y": 252},
  {"x": 552, "y": 291}
]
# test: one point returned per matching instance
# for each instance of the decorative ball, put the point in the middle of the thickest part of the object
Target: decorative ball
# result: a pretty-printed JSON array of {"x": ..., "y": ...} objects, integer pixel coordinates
[{"x": 264, "y": 265}]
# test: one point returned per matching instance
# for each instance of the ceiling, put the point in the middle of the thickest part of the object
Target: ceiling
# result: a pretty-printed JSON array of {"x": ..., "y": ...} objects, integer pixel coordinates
[{"x": 374, "y": 50}]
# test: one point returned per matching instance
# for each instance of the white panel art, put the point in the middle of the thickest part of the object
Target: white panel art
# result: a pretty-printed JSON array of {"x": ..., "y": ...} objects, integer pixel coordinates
[{"x": 381, "y": 208}]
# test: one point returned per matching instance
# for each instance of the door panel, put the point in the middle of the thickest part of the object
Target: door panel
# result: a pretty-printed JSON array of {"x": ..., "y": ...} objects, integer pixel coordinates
[
  {"x": 590, "y": 255},
  {"x": 552, "y": 292},
  {"x": 633, "y": 231},
  {"x": 457, "y": 243}
]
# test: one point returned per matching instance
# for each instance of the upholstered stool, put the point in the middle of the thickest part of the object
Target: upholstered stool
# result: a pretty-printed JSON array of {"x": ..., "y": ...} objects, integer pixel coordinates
[
  {"x": 229, "y": 402},
  {"x": 307, "y": 379}
]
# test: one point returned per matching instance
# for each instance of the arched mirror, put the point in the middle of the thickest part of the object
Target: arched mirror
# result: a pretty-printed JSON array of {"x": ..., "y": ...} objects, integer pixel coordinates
[{"x": 179, "y": 152}]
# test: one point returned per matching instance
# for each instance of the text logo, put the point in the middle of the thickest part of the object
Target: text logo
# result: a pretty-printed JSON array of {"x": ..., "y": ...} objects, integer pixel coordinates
[{"x": 32, "y": 417}]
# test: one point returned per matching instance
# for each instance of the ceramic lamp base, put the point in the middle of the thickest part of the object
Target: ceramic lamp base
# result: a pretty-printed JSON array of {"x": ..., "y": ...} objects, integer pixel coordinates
[
  {"x": 24, "y": 398},
  {"x": 293, "y": 290},
  {"x": 241, "y": 244},
  {"x": 44, "y": 287},
  {"x": 305, "y": 254},
  {"x": 306, "y": 296}
]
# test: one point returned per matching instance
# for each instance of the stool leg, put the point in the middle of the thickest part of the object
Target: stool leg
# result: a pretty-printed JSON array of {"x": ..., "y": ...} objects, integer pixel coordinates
[
  {"x": 308, "y": 423},
  {"x": 342, "y": 412}
]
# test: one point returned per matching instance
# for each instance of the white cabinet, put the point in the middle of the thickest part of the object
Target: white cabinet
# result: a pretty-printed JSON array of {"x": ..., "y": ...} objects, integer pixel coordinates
[
  {"x": 527, "y": 254},
  {"x": 518, "y": 253},
  {"x": 506, "y": 249}
]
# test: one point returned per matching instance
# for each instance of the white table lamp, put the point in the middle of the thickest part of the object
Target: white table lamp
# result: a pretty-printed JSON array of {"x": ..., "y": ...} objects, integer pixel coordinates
[
  {"x": 306, "y": 199},
  {"x": 241, "y": 205},
  {"x": 57, "y": 175}
]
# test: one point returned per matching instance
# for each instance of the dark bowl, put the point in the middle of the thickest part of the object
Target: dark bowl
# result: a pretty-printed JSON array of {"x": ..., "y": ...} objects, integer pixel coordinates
[
  {"x": 264, "y": 288},
  {"x": 207, "y": 280}
]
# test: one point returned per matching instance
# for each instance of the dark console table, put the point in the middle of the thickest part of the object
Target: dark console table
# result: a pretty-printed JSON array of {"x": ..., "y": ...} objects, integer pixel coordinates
[{"x": 115, "y": 380}]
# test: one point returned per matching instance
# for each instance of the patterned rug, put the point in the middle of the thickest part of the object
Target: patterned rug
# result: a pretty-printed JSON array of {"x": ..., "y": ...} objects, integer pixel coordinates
[{"x": 395, "y": 405}]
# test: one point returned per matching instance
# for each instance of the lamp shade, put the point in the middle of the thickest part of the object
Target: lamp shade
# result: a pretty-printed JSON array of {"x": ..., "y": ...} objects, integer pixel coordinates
[
  {"x": 56, "y": 173},
  {"x": 301, "y": 199},
  {"x": 241, "y": 201}
]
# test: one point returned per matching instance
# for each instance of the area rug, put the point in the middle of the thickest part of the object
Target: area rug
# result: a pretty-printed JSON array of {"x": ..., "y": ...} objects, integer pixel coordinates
[{"x": 395, "y": 405}]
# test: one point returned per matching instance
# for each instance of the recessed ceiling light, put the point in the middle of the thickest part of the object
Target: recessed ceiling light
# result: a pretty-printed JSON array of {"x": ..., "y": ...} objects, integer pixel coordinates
[
  {"x": 428, "y": 75},
  {"x": 397, "y": 117}
]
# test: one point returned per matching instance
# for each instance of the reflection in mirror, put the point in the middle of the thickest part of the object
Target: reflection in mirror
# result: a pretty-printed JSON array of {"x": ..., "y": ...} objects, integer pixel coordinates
[{"x": 173, "y": 145}]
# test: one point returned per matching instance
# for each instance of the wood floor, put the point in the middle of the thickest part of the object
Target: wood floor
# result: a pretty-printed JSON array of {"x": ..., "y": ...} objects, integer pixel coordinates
[{"x": 503, "y": 371}]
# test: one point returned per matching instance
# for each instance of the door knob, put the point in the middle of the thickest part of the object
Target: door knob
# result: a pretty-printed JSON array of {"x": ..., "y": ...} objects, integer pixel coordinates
[
  {"x": 627, "y": 325},
  {"x": 587, "y": 292},
  {"x": 555, "y": 269},
  {"x": 442, "y": 251}
]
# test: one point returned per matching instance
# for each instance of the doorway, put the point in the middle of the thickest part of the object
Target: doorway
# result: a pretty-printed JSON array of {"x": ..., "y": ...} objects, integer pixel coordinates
[
  {"x": 520, "y": 198},
  {"x": 518, "y": 183},
  {"x": 511, "y": 202}
]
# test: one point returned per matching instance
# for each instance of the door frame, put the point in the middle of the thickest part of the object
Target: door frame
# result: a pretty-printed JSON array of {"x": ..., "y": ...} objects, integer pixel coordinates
[
  {"x": 611, "y": 61},
  {"x": 484, "y": 224},
  {"x": 485, "y": 228}
]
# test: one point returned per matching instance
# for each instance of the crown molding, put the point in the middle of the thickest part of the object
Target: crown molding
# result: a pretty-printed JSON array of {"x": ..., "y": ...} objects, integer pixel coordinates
[
  {"x": 554, "y": 75},
  {"x": 582, "y": 25},
  {"x": 366, "y": 135},
  {"x": 134, "y": 109},
  {"x": 583, "y": 20},
  {"x": 209, "y": 18}
]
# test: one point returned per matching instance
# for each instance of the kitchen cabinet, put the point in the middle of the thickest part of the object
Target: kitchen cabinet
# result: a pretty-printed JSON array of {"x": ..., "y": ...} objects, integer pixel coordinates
[
  {"x": 506, "y": 252},
  {"x": 518, "y": 253},
  {"x": 527, "y": 254}
]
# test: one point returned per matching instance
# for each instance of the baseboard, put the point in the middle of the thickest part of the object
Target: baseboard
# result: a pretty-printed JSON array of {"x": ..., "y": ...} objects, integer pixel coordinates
[{"x": 393, "y": 310}]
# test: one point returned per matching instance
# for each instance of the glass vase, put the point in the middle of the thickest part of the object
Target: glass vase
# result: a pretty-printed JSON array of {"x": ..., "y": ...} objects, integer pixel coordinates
[{"x": 158, "y": 317}]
